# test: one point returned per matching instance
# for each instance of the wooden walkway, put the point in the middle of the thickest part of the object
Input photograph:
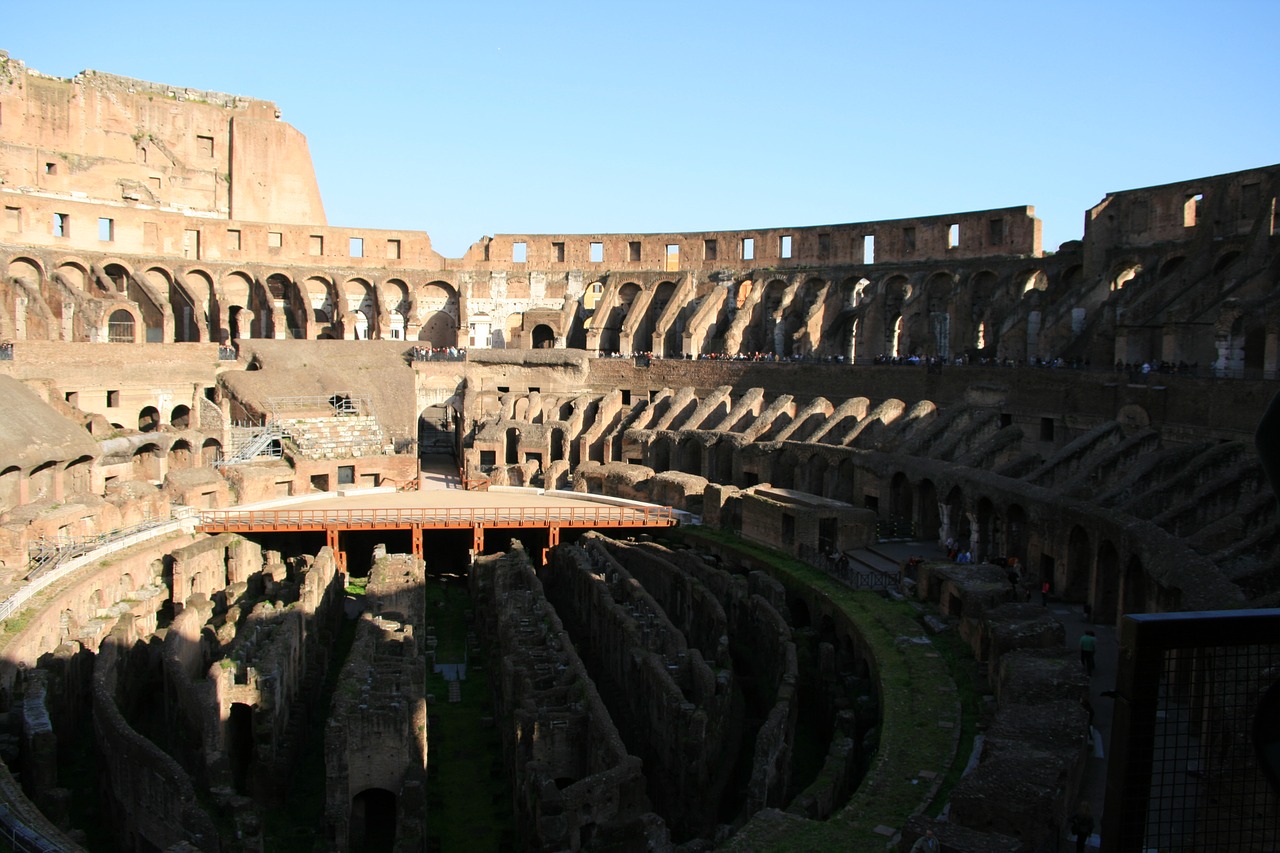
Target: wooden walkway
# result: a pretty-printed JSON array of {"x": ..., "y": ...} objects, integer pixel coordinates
[{"x": 333, "y": 520}]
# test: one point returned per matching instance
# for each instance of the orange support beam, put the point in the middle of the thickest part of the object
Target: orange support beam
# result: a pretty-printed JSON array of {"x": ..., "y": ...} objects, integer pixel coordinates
[
  {"x": 331, "y": 539},
  {"x": 553, "y": 539},
  {"x": 417, "y": 541},
  {"x": 478, "y": 543}
]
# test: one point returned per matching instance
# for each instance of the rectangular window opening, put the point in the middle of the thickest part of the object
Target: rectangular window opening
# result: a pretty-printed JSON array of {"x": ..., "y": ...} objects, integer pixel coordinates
[
  {"x": 673, "y": 257},
  {"x": 51, "y": 168},
  {"x": 557, "y": 252},
  {"x": 204, "y": 145},
  {"x": 233, "y": 239},
  {"x": 1250, "y": 194},
  {"x": 1046, "y": 429},
  {"x": 113, "y": 399},
  {"x": 869, "y": 249},
  {"x": 519, "y": 252},
  {"x": 709, "y": 250},
  {"x": 13, "y": 219},
  {"x": 995, "y": 232},
  {"x": 597, "y": 253},
  {"x": 626, "y": 398},
  {"x": 72, "y": 398},
  {"x": 62, "y": 225},
  {"x": 393, "y": 250},
  {"x": 633, "y": 250},
  {"x": 784, "y": 246},
  {"x": 106, "y": 229},
  {"x": 191, "y": 244},
  {"x": 274, "y": 239},
  {"x": 908, "y": 240},
  {"x": 953, "y": 235},
  {"x": 748, "y": 249},
  {"x": 346, "y": 475},
  {"x": 317, "y": 245},
  {"x": 355, "y": 247},
  {"x": 824, "y": 246},
  {"x": 1190, "y": 210}
]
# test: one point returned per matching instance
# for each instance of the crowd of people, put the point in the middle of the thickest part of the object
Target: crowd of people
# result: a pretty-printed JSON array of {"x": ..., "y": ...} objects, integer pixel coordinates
[
  {"x": 421, "y": 353},
  {"x": 6, "y": 351}
]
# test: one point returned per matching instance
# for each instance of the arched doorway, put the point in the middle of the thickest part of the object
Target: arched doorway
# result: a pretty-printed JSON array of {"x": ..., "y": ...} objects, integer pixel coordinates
[
  {"x": 543, "y": 337},
  {"x": 373, "y": 821}
]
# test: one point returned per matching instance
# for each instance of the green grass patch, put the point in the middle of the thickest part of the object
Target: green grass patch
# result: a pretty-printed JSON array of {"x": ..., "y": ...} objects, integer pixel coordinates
[{"x": 468, "y": 789}]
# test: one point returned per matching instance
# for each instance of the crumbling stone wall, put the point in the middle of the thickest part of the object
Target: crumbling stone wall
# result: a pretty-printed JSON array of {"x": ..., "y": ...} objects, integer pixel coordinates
[
  {"x": 151, "y": 799},
  {"x": 673, "y": 707},
  {"x": 376, "y": 737},
  {"x": 574, "y": 780}
]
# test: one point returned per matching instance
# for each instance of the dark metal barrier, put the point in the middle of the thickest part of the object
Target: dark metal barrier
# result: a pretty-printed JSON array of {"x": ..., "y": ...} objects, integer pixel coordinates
[{"x": 1186, "y": 769}]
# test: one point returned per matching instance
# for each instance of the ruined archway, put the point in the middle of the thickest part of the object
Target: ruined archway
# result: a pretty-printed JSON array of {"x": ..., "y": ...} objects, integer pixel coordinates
[
  {"x": 543, "y": 337},
  {"x": 373, "y": 821},
  {"x": 1079, "y": 563},
  {"x": 1106, "y": 584}
]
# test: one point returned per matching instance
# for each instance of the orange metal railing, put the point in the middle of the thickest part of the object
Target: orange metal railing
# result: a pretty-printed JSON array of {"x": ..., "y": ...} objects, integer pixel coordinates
[{"x": 437, "y": 517}]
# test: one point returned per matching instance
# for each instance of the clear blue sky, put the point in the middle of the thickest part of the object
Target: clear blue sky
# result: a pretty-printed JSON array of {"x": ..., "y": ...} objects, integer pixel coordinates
[{"x": 467, "y": 119}]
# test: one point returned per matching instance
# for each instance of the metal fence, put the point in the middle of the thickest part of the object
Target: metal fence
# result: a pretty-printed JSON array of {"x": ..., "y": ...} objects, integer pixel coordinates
[{"x": 1189, "y": 750}]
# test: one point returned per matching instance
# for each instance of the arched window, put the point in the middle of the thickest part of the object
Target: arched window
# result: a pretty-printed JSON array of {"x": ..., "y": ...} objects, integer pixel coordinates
[{"x": 120, "y": 327}]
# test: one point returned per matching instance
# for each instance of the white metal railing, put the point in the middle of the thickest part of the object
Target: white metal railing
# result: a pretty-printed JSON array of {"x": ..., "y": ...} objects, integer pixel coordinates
[{"x": 183, "y": 518}]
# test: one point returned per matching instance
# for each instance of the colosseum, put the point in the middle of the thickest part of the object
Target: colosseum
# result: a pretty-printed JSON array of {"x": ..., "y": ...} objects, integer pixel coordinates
[{"x": 312, "y": 538}]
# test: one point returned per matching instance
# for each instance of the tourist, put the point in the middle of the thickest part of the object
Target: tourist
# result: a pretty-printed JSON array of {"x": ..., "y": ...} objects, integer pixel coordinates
[
  {"x": 1088, "y": 645},
  {"x": 1044, "y": 594},
  {"x": 1081, "y": 827},
  {"x": 926, "y": 843}
]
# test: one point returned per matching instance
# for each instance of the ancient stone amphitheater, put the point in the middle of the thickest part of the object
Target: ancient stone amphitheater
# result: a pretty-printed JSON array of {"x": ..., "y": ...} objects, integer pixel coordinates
[{"x": 183, "y": 332}]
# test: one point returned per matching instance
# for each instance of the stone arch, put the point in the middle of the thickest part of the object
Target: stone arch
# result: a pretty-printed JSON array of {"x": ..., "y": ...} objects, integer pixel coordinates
[
  {"x": 148, "y": 419},
  {"x": 784, "y": 469},
  {"x": 643, "y": 340},
  {"x": 10, "y": 487},
  {"x": 117, "y": 277},
  {"x": 721, "y": 468},
  {"x": 359, "y": 321},
  {"x": 148, "y": 463},
  {"x": 188, "y": 312},
  {"x": 42, "y": 482},
  {"x": 77, "y": 476},
  {"x": 180, "y": 417},
  {"x": 844, "y": 486},
  {"x": 1079, "y": 564},
  {"x": 660, "y": 453},
  {"x": 611, "y": 329},
  {"x": 373, "y": 820},
  {"x": 235, "y": 309},
  {"x": 929, "y": 519},
  {"x": 181, "y": 454},
  {"x": 396, "y": 302},
  {"x": 322, "y": 316},
  {"x": 691, "y": 456},
  {"x": 287, "y": 304},
  {"x": 901, "y": 499},
  {"x": 815, "y": 474},
  {"x": 27, "y": 270},
  {"x": 1134, "y": 596},
  {"x": 210, "y": 452},
  {"x": 123, "y": 326},
  {"x": 197, "y": 284},
  {"x": 1106, "y": 585},
  {"x": 1015, "y": 532},
  {"x": 897, "y": 290},
  {"x": 957, "y": 518},
  {"x": 437, "y": 315},
  {"x": 74, "y": 275},
  {"x": 937, "y": 307},
  {"x": 1123, "y": 272},
  {"x": 542, "y": 337},
  {"x": 986, "y": 516},
  {"x": 511, "y": 328}
]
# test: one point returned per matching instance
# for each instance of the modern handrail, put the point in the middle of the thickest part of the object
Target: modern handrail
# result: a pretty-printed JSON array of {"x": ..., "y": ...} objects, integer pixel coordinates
[{"x": 459, "y": 516}]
